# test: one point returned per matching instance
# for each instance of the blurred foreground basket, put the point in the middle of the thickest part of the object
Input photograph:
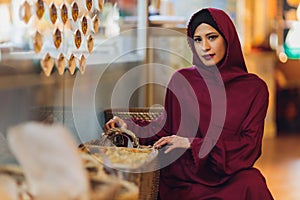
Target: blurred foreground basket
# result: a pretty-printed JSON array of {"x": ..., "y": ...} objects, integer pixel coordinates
[
  {"x": 148, "y": 182},
  {"x": 145, "y": 176}
]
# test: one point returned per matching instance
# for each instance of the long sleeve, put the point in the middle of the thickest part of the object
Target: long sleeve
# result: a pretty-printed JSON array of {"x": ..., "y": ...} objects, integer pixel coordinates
[{"x": 232, "y": 154}]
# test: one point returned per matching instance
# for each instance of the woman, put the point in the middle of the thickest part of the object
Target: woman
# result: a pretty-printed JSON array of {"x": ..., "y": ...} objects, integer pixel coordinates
[{"x": 227, "y": 105}]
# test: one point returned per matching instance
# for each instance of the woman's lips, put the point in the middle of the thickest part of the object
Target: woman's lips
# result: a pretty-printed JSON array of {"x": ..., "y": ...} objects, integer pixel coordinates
[{"x": 208, "y": 56}]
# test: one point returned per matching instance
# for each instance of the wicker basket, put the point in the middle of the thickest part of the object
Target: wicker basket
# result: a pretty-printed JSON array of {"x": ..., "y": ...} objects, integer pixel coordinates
[
  {"x": 145, "y": 177},
  {"x": 143, "y": 113},
  {"x": 148, "y": 182}
]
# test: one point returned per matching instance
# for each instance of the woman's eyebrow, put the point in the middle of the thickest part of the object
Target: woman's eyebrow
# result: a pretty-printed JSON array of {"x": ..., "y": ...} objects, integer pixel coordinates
[
  {"x": 207, "y": 34},
  {"x": 212, "y": 33}
]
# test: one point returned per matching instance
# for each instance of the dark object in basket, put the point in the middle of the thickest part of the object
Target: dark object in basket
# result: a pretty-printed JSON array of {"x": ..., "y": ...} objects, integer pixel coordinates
[{"x": 121, "y": 137}]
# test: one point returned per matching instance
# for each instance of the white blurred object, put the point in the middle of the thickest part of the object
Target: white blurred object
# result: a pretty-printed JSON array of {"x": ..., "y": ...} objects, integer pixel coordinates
[
  {"x": 166, "y": 7},
  {"x": 293, "y": 37},
  {"x": 5, "y": 23},
  {"x": 273, "y": 41},
  {"x": 8, "y": 188},
  {"x": 112, "y": 27},
  {"x": 50, "y": 161}
]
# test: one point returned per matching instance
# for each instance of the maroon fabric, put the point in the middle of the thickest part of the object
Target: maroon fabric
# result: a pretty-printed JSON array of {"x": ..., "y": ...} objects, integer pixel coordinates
[{"x": 227, "y": 171}]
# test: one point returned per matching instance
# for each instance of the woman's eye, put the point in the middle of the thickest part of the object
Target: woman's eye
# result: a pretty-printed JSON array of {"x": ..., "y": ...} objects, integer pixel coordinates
[
  {"x": 197, "y": 39},
  {"x": 212, "y": 37}
]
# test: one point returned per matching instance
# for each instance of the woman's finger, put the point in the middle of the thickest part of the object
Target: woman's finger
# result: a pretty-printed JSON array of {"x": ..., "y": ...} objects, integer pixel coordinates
[
  {"x": 161, "y": 142},
  {"x": 107, "y": 125},
  {"x": 169, "y": 148},
  {"x": 173, "y": 142},
  {"x": 110, "y": 124}
]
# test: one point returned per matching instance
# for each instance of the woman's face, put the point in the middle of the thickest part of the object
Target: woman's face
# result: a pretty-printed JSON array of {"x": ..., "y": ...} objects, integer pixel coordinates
[{"x": 209, "y": 45}]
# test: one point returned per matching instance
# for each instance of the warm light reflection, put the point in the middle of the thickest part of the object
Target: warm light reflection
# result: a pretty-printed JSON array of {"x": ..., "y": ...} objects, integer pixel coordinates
[
  {"x": 293, "y": 2},
  {"x": 57, "y": 2},
  {"x": 282, "y": 57}
]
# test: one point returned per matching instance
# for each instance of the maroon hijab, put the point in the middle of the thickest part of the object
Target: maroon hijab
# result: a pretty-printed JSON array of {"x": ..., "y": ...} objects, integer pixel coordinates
[{"x": 233, "y": 64}]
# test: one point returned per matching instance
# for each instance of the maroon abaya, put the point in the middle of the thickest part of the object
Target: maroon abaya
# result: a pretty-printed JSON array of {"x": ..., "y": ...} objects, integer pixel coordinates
[{"x": 226, "y": 107}]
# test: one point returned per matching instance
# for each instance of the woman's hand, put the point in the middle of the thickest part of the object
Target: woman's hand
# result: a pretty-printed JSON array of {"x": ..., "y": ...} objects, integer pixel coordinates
[
  {"x": 173, "y": 142},
  {"x": 115, "y": 122}
]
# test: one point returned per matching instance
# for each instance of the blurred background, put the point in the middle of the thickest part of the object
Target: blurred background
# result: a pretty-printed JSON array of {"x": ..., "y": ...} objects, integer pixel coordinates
[{"x": 132, "y": 33}]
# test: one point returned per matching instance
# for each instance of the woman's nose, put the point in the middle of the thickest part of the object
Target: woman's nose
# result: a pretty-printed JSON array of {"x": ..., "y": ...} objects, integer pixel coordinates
[{"x": 205, "y": 45}]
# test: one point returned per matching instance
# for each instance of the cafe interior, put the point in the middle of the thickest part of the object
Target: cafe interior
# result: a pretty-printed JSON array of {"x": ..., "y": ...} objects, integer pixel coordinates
[{"x": 72, "y": 63}]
